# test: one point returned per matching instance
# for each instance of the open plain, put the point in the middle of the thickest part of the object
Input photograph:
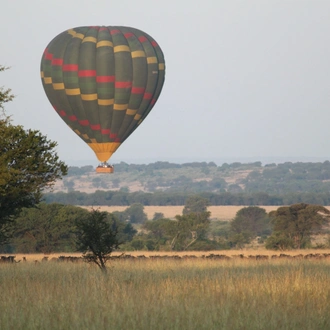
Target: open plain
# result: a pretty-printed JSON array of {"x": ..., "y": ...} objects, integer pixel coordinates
[
  {"x": 168, "y": 293},
  {"x": 231, "y": 289}
]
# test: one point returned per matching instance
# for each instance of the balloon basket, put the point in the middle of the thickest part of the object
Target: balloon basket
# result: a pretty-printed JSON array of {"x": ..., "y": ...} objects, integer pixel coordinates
[{"x": 104, "y": 168}]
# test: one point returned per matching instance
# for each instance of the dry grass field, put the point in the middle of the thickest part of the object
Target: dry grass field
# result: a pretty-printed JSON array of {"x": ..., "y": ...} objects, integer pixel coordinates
[
  {"x": 223, "y": 212},
  {"x": 167, "y": 294}
]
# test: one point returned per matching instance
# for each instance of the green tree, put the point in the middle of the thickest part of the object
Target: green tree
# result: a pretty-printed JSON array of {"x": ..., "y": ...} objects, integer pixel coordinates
[
  {"x": 279, "y": 241},
  {"x": 192, "y": 225},
  {"x": 47, "y": 228},
  {"x": 136, "y": 213},
  {"x": 195, "y": 204},
  {"x": 69, "y": 184},
  {"x": 250, "y": 222},
  {"x": 137, "y": 244},
  {"x": 28, "y": 164},
  {"x": 239, "y": 240},
  {"x": 52, "y": 228},
  {"x": 97, "y": 237},
  {"x": 162, "y": 230},
  {"x": 78, "y": 171},
  {"x": 293, "y": 225},
  {"x": 121, "y": 216},
  {"x": 158, "y": 215},
  {"x": 126, "y": 231},
  {"x": 190, "y": 228}
]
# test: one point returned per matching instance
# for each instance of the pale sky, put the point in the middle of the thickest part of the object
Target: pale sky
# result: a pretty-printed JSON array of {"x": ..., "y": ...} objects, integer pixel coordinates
[{"x": 245, "y": 80}]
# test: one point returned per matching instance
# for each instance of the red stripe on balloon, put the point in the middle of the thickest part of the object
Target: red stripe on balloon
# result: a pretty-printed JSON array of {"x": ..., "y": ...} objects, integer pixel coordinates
[
  {"x": 105, "y": 79},
  {"x": 138, "y": 90},
  {"x": 73, "y": 118},
  {"x": 128, "y": 34},
  {"x": 147, "y": 96},
  {"x": 105, "y": 131},
  {"x": 62, "y": 113},
  {"x": 103, "y": 29},
  {"x": 123, "y": 84},
  {"x": 154, "y": 43},
  {"x": 96, "y": 127},
  {"x": 70, "y": 67},
  {"x": 142, "y": 39},
  {"x": 113, "y": 135},
  {"x": 84, "y": 122},
  {"x": 114, "y": 32},
  {"x": 57, "y": 61},
  {"x": 87, "y": 73},
  {"x": 153, "y": 101},
  {"x": 48, "y": 56}
]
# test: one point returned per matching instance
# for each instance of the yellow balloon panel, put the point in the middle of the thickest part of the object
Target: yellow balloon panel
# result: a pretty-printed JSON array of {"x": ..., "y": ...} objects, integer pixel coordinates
[{"x": 104, "y": 151}]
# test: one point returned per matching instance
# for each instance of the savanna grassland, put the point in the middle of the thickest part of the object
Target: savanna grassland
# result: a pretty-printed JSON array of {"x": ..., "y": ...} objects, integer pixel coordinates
[
  {"x": 197, "y": 293},
  {"x": 219, "y": 212}
]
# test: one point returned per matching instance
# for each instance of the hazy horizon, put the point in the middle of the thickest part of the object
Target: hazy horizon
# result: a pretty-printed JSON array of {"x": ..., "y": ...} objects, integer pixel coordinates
[{"x": 218, "y": 161}]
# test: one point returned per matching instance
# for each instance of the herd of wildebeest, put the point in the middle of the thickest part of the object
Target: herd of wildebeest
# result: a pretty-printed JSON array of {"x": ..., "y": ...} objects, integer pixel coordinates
[{"x": 73, "y": 259}]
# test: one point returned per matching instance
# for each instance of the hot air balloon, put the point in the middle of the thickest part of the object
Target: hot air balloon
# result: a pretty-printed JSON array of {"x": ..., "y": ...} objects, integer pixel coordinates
[{"x": 103, "y": 81}]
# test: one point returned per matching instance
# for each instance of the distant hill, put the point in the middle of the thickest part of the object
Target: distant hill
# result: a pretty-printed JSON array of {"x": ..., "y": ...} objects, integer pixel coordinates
[{"x": 197, "y": 177}]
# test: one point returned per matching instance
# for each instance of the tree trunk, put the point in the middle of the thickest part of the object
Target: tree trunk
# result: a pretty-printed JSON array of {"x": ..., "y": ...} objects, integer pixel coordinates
[
  {"x": 194, "y": 238},
  {"x": 102, "y": 264},
  {"x": 174, "y": 240},
  {"x": 193, "y": 241}
]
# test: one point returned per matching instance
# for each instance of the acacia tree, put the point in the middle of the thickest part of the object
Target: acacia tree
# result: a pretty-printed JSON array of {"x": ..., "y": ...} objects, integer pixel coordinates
[
  {"x": 97, "y": 237},
  {"x": 136, "y": 214},
  {"x": 293, "y": 225},
  {"x": 189, "y": 228},
  {"x": 186, "y": 229},
  {"x": 249, "y": 222},
  {"x": 47, "y": 228},
  {"x": 192, "y": 224},
  {"x": 161, "y": 229},
  {"x": 195, "y": 204},
  {"x": 28, "y": 164}
]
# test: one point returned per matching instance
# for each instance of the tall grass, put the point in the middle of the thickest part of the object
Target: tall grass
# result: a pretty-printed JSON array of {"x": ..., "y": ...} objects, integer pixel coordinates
[{"x": 167, "y": 294}]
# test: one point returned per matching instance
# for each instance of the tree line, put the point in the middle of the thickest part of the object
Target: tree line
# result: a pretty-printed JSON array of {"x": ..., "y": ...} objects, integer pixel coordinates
[
  {"x": 274, "y": 179},
  {"x": 54, "y": 227},
  {"x": 163, "y": 198},
  {"x": 49, "y": 228}
]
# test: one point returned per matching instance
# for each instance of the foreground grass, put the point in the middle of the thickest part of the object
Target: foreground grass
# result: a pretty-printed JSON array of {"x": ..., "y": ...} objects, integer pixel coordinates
[{"x": 167, "y": 294}]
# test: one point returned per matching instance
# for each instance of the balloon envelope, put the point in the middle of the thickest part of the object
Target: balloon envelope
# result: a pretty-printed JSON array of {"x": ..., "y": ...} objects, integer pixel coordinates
[{"x": 103, "y": 82}]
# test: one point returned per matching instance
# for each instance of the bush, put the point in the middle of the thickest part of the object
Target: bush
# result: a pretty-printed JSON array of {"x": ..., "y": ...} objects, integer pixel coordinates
[
  {"x": 137, "y": 244},
  {"x": 279, "y": 241}
]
